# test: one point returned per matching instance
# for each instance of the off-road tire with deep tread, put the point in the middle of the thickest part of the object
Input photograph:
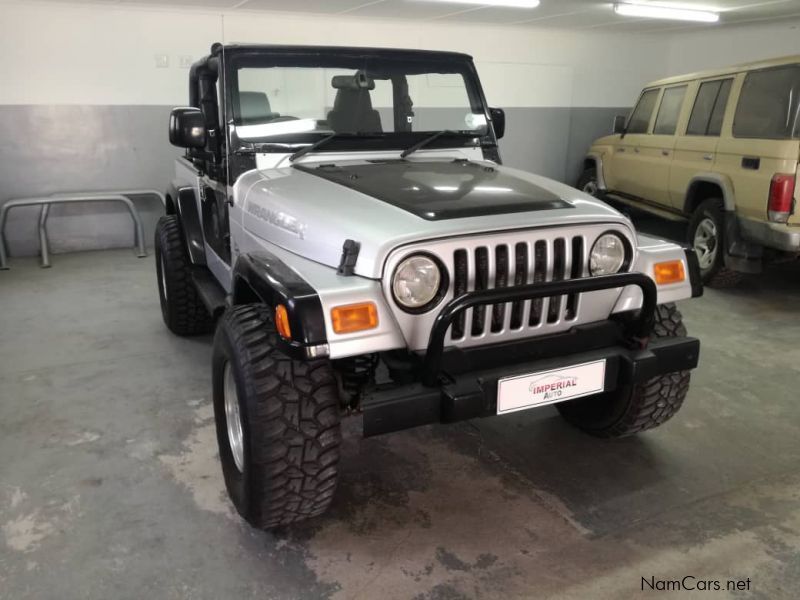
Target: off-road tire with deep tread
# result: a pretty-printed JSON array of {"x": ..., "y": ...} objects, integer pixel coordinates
[
  {"x": 183, "y": 311},
  {"x": 290, "y": 419},
  {"x": 718, "y": 276},
  {"x": 633, "y": 409}
]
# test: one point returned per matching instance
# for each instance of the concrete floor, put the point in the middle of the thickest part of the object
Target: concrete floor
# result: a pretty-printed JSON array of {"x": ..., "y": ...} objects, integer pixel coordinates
[{"x": 110, "y": 486}]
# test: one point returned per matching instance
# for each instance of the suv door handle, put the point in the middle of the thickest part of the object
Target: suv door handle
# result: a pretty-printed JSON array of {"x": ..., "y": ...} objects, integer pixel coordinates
[
  {"x": 665, "y": 153},
  {"x": 708, "y": 157},
  {"x": 636, "y": 150}
]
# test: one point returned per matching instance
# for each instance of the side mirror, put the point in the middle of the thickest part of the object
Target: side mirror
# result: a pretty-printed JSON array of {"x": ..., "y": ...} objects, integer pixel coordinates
[
  {"x": 619, "y": 123},
  {"x": 499, "y": 121},
  {"x": 187, "y": 128}
]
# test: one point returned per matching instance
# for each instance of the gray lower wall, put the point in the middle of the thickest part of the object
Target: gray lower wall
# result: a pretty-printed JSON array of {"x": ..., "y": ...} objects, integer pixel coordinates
[
  {"x": 48, "y": 149},
  {"x": 553, "y": 141}
]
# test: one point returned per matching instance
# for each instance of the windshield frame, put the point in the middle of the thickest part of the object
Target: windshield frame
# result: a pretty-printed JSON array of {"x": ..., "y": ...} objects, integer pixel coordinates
[{"x": 343, "y": 57}]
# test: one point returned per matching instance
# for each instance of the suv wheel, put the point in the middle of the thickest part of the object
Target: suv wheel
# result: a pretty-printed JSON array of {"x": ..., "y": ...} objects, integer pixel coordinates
[
  {"x": 706, "y": 235},
  {"x": 181, "y": 307},
  {"x": 633, "y": 409},
  {"x": 587, "y": 183},
  {"x": 277, "y": 422}
]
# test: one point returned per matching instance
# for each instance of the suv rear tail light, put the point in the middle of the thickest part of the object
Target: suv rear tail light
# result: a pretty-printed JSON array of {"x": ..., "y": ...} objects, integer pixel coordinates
[{"x": 781, "y": 197}]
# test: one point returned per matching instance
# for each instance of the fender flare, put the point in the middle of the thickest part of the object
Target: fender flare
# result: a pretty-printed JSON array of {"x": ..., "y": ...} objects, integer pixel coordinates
[
  {"x": 598, "y": 161},
  {"x": 717, "y": 179},
  {"x": 183, "y": 203},
  {"x": 740, "y": 254},
  {"x": 274, "y": 282}
]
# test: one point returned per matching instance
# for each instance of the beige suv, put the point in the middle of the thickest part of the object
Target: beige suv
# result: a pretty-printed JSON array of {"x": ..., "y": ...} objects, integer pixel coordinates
[{"x": 720, "y": 149}]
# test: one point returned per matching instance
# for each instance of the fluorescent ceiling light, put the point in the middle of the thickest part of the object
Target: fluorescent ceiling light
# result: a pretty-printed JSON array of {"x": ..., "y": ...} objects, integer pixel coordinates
[
  {"x": 511, "y": 3},
  {"x": 655, "y": 11}
]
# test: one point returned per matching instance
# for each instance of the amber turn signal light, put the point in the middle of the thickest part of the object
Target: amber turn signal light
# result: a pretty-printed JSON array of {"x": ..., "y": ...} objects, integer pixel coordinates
[
  {"x": 671, "y": 271},
  {"x": 354, "y": 317},
  {"x": 282, "y": 322}
]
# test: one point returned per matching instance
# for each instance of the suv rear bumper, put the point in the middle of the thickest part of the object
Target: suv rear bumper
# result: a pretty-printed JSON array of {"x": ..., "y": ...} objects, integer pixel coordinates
[{"x": 771, "y": 235}]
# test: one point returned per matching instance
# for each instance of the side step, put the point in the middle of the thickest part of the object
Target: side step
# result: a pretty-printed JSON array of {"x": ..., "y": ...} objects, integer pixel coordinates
[
  {"x": 211, "y": 292},
  {"x": 646, "y": 207}
]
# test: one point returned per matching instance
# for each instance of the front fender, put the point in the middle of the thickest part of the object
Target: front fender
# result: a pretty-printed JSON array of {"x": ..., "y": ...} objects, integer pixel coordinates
[
  {"x": 273, "y": 282},
  {"x": 598, "y": 154},
  {"x": 651, "y": 251}
]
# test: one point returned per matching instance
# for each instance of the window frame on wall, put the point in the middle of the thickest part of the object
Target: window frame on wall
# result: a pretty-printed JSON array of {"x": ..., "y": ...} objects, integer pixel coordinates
[
  {"x": 682, "y": 88},
  {"x": 718, "y": 107},
  {"x": 656, "y": 91}
]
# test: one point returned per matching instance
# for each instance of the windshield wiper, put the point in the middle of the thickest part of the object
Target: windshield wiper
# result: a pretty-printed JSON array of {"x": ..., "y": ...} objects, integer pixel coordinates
[
  {"x": 432, "y": 138},
  {"x": 318, "y": 144},
  {"x": 333, "y": 136}
]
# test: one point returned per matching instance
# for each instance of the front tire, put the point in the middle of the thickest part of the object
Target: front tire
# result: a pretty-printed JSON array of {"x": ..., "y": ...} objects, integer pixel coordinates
[
  {"x": 181, "y": 307},
  {"x": 633, "y": 409},
  {"x": 277, "y": 422},
  {"x": 707, "y": 237}
]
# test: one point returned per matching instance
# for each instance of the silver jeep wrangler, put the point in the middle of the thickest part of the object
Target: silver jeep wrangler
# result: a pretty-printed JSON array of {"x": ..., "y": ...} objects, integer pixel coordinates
[{"x": 343, "y": 217}]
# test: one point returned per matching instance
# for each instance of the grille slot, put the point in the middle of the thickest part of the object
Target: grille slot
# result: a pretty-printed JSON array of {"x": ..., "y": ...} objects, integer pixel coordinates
[
  {"x": 500, "y": 281},
  {"x": 520, "y": 278},
  {"x": 481, "y": 283},
  {"x": 459, "y": 288},
  {"x": 577, "y": 271},
  {"x": 507, "y": 265},
  {"x": 559, "y": 266},
  {"x": 539, "y": 275}
]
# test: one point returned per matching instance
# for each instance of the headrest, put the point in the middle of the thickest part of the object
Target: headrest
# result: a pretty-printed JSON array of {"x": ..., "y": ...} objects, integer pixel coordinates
[
  {"x": 254, "y": 105},
  {"x": 359, "y": 81}
]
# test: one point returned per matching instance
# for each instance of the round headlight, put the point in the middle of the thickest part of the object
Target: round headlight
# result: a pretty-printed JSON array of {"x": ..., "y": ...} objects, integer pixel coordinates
[
  {"x": 416, "y": 281},
  {"x": 608, "y": 255}
]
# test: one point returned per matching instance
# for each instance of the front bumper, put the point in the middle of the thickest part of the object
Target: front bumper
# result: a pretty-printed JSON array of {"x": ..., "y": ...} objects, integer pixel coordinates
[
  {"x": 474, "y": 394},
  {"x": 771, "y": 235},
  {"x": 461, "y": 383}
]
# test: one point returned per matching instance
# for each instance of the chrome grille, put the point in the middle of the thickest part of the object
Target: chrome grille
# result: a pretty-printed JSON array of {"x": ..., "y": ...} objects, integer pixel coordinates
[
  {"x": 554, "y": 260},
  {"x": 497, "y": 260}
]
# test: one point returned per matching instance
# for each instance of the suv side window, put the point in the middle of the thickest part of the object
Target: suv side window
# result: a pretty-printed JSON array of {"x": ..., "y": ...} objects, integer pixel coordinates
[
  {"x": 709, "y": 108},
  {"x": 640, "y": 118},
  {"x": 769, "y": 105},
  {"x": 670, "y": 110}
]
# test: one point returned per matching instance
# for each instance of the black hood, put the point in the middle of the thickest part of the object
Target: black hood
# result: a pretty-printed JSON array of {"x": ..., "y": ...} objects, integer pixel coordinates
[{"x": 436, "y": 190}]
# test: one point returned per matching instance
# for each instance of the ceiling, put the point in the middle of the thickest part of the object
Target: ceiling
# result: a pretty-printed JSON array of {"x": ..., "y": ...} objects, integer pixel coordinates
[{"x": 564, "y": 14}]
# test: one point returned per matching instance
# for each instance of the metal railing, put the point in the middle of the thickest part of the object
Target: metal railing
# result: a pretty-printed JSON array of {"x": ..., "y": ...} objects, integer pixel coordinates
[{"x": 46, "y": 201}]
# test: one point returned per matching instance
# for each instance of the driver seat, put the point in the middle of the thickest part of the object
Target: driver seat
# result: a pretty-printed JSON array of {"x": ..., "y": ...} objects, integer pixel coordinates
[{"x": 352, "y": 108}]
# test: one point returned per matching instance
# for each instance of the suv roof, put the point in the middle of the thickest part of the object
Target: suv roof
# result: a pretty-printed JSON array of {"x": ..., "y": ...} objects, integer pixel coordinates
[
  {"x": 346, "y": 50},
  {"x": 761, "y": 64}
]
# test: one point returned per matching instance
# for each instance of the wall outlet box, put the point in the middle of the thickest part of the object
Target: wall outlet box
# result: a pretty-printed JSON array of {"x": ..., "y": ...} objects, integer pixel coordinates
[
  {"x": 162, "y": 61},
  {"x": 185, "y": 61}
]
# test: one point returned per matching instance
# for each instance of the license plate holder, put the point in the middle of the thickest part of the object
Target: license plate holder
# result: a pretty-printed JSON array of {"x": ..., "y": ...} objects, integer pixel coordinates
[{"x": 522, "y": 392}]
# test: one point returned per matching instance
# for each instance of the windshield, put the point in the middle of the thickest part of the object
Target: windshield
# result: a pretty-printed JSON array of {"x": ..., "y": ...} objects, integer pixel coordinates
[{"x": 289, "y": 99}]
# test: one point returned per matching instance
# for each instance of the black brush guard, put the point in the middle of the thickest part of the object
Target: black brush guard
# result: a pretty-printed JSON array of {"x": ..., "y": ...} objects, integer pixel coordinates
[
  {"x": 640, "y": 330},
  {"x": 447, "y": 395}
]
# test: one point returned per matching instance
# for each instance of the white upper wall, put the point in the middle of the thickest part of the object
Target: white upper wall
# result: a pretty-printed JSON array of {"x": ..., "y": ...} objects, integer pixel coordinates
[
  {"x": 105, "y": 54},
  {"x": 721, "y": 48},
  {"x": 100, "y": 54}
]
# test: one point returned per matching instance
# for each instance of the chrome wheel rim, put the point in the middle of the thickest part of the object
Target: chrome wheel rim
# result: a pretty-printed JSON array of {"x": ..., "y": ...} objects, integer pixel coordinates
[
  {"x": 163, "y": 276},
  {"x": 706, "y": 243},
  {"x": 233, "y": 418},
  {"x": 590, "y": 188}
]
